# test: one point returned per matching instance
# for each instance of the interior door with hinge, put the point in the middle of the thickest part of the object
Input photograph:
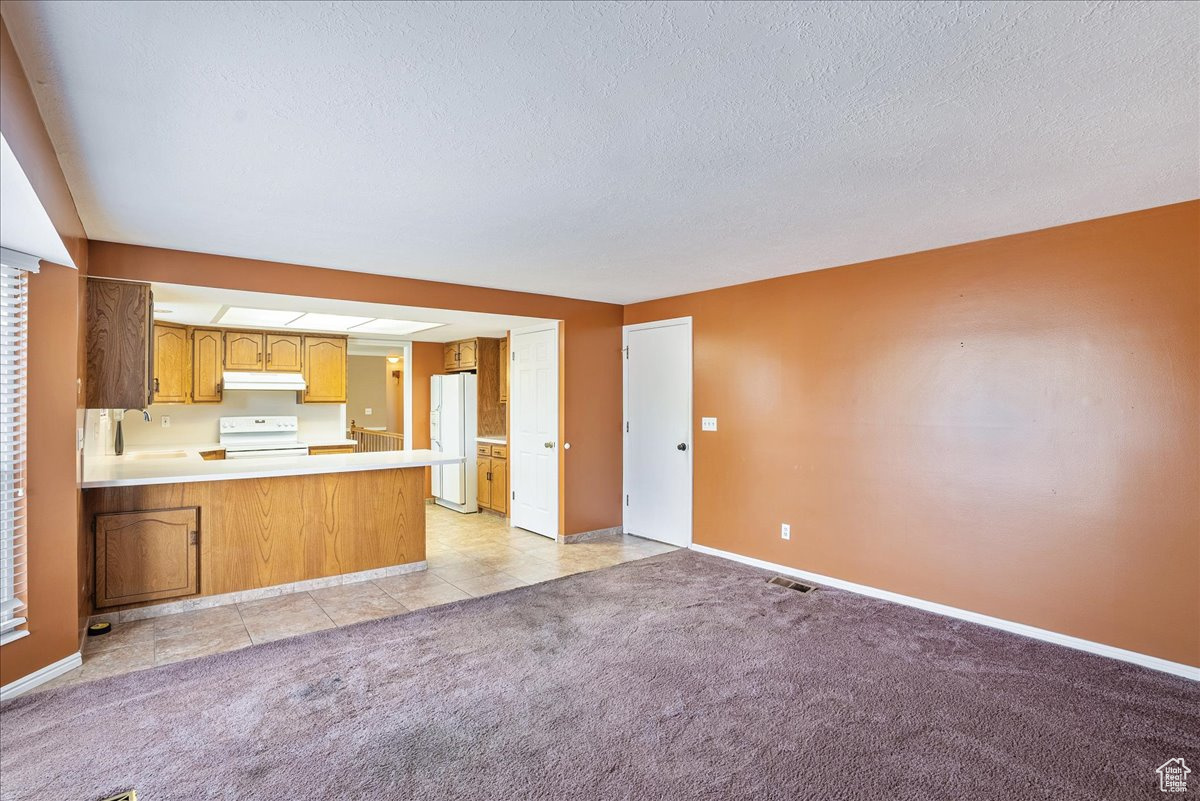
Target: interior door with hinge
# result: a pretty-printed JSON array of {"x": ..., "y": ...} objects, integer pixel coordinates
[
  {"x": 533, "y": 452},
  {"x": 658, "y": 431}
]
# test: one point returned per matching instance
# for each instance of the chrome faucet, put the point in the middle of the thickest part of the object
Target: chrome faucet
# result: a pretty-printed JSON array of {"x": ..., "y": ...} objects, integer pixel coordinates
[{"x": 119, "y": 442}]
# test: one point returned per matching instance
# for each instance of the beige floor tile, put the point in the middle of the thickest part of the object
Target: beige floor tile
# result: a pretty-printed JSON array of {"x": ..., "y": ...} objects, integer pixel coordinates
[
  {"x": 194, "y": 621},
  {"x": 463, "y": 570},
  {"x": 354, "y": 603},
  {"x": 394, "y": 585},
  {"x": 422, "y": 597},
  {"x": 534, "y": 572},
  {"x": 65, "y": 680},
  {"x": 489, "y": 583},
  {"x": 102, "y": 664},
  {"x": 285, "y": 616},
  {"x": 121, "y": 635},
  {"x": 202, "y": 643}
]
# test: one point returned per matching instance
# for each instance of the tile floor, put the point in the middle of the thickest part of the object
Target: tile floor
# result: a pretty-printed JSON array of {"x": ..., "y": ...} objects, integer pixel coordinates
[{"x": 468, "y": 555}]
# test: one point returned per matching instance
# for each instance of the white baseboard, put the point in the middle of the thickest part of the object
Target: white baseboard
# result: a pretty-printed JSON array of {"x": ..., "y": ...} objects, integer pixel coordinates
[
  {"x": 1112, "y": 652},
  {"x": 40, "y": 677}
]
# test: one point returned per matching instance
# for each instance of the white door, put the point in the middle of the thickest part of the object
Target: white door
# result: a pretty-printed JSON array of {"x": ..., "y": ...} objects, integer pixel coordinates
[
  {"x": 658, "y": 431},
  {"x": 533, "y": 452}
]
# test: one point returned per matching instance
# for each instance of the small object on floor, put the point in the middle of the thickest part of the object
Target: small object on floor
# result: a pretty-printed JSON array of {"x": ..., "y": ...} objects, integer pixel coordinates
[
  {"x": 128, "y": 795},
  {"x": 96, "y": 630}
]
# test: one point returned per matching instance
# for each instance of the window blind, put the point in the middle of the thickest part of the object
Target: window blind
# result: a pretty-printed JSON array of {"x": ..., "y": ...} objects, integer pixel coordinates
[{"x": 14, "y": 286}]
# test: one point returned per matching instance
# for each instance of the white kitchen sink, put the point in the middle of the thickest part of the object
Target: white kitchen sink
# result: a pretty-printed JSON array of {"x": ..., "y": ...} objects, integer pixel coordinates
[{"x": 149, "y": 455}]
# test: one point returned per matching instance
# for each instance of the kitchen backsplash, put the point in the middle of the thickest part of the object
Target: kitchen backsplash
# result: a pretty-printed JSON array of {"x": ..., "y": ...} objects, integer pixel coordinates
[{"x": 196, "y": 424}]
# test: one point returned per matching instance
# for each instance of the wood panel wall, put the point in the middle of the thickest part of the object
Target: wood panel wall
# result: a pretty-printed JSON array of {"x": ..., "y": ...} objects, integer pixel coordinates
[
  {"x": 491, "y": 412},
  {"x": 261, "y": 532}
]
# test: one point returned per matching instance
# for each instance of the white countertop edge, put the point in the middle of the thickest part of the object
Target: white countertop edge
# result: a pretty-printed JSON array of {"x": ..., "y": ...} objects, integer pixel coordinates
[
  {"x": 186, "y": 471},
  {"x": 492, "y": 440}
]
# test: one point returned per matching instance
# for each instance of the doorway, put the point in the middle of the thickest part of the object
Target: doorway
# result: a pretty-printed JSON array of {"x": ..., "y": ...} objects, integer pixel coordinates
[
  {"x": 657, "y": 476},
  {"x": 533, "y": 450}
]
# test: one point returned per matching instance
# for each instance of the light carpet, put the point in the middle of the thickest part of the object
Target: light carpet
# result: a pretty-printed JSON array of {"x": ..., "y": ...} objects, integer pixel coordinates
[{"x": 682, "y": 676}]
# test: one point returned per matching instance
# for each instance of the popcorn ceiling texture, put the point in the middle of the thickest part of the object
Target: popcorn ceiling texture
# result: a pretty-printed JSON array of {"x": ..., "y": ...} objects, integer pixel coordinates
[{"x": 608, "y": 151}]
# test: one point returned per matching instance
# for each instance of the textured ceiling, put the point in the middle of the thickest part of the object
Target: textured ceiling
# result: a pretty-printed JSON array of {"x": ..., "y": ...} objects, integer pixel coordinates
[{"x": 608, "y": 151}]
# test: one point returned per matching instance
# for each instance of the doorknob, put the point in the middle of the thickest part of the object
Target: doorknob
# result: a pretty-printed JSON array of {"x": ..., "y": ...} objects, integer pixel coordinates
[
  {"x": 681, "y": 446},
  {"x": 549, "y": 444}
]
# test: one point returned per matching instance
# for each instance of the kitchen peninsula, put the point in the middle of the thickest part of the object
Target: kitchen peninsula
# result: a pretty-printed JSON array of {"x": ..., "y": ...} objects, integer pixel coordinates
[{"x": 171, "y": 525}]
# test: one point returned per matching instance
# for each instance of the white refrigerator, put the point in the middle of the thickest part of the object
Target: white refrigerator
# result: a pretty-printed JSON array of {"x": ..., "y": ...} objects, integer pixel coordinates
[{"x": 453, "y": 416}]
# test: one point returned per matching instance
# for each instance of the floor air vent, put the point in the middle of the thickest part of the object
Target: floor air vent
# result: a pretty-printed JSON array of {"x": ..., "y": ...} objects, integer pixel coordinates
[{"x": 792, "y": 585}]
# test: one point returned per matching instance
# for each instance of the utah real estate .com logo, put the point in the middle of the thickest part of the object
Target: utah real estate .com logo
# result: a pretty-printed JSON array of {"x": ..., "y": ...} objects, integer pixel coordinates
[{"x": 1173, "y": 776}]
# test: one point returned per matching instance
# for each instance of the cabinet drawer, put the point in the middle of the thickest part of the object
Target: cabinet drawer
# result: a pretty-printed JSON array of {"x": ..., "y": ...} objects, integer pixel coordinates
[
  {"x": 500, "y": 451},
  {"x": 483, "y": 450}
]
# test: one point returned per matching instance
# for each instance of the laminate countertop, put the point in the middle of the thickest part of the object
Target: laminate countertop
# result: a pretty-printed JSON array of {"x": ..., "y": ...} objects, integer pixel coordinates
[{"x": 181, "y": 465}]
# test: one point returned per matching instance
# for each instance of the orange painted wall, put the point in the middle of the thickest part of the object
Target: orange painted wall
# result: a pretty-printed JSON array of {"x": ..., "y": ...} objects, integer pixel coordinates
[
  {"x": 1008, "y": 426},
  {"x": 54, "y": 594},
  {"x": 590, "y": 472}
]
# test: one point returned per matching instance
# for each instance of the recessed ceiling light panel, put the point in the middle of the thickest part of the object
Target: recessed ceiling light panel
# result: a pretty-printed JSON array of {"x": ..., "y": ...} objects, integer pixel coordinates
[
  {"x": 238, "y": 315},
  {"x": 314, "y": 321},
  {"x": 393, "y": 327}
]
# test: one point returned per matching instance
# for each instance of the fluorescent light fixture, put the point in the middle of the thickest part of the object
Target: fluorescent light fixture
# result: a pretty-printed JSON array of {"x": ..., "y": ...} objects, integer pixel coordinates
[
  {"x": 237, "y": 315},
  {"x": 394, "y": 327},
  {"x": 314, "y": 321}
]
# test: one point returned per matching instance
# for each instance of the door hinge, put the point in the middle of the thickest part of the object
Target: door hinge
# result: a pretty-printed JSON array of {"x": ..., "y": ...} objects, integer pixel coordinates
[
  {"x": 514, "y": 495},
  {"x": 626, "y": 500},
  {"x": 626, "y": 350},
  {"x": 193, "y": 537},
  {"x": 626, "y": 426}
]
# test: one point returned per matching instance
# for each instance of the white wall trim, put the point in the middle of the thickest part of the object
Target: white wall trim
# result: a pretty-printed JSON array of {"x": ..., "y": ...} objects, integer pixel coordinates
[
  {"x": 1079, "y": 644},
  {"x": 40, "y": 677}
]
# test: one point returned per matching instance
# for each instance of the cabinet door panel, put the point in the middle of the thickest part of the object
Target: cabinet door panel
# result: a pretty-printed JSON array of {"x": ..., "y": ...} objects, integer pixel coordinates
[
  {"x": 171, "y": 362},
  {"x": 325, "y": 369},
  {"x": 483, "y": 467},
  {"x": 208, "y": 350},
  {"x": 283, "y": 353},
  {"x": 243, "y": 351},
  {"x": 146, "y": 555},
  {"x": 450, "y": 356},
  {"x": 500, "y": 485},
  {"x": 468, "y": 354},
  {"x": 119, "y": 340}
]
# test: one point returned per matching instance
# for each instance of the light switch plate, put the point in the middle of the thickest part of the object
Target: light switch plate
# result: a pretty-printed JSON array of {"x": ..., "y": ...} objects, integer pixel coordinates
[
  {"x": 367, "y": 410},
  {"x": 166, "y": 421},
  {"x": 708, "y": 424}
]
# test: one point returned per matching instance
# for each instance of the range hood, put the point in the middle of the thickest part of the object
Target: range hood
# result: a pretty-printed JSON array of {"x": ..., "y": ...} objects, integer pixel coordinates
[{"x": 261, "y": 381}]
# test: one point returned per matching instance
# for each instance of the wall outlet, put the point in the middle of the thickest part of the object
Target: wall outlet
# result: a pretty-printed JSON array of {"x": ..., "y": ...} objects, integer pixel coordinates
[
  {"x": 166, "y": 421},
  {"x": 708, "y": 424},
  {"x": 367, "y": 410},
  {"x": 785, "y": 531}
]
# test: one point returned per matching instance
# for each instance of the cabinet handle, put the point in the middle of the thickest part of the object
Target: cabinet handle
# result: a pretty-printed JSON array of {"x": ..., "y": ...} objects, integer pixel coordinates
[{"x": 268, "y": 358}]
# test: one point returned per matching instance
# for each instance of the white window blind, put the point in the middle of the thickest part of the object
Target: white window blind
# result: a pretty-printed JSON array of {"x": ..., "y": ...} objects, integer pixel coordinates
[{"x": 14, "y": 272}]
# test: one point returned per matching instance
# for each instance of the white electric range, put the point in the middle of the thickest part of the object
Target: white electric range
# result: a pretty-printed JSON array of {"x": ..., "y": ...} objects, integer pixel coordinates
[{"x": 256, "y": 437}]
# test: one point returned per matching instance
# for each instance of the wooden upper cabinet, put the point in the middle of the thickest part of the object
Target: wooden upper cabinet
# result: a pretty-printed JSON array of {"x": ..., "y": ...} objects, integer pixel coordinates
[
  {"x": 461, "y": 355},
  {"x": 243, "y": 350},
  {"x": 172, "y": 363},
  {"x": 120, "y": 317},
  {"x": 325, "y": 369},
  {"x": 504, "y": 360},
  {"x": 283, "y": 353},
  {"x": 146, "y": 556},
  {"x": 468, "y": 354},
  {"x": 208, "y": 350}
]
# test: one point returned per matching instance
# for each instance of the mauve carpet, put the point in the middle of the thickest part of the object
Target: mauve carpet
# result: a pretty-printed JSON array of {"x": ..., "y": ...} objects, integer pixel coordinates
[{"x": 677, "y": 677}]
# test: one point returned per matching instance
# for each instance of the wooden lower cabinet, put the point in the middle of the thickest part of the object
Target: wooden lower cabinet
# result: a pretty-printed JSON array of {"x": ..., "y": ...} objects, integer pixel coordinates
[
  {"x": 492, "y": 479},
  {"x": 147, "y": 555},
  {"x": 325, "y": 450},
  {"x": 257, "y": 532}
]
